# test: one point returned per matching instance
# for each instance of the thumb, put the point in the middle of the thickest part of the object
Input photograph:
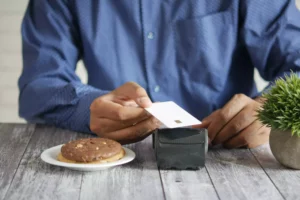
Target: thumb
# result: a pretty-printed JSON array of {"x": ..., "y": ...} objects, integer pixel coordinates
[{"x": 135, "y": 92}]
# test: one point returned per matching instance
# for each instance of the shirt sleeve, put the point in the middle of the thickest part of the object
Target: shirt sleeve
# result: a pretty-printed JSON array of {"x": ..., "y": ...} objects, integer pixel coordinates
[
  {"x": 271, "y": 33},
  {"x": 50, "y": 91}
]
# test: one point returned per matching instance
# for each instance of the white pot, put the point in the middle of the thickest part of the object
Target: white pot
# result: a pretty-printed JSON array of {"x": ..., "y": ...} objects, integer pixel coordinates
[{"x": 285, "y": 148}]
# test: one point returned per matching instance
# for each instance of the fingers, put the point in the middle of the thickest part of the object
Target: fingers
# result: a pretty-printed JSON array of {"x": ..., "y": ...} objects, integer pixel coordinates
[
  {"x": 134, "y": 133},
  {"x": 242, "y": 120},
  {"x": 206, "y": 121},
  {"x": 211, "y": 117},
  {"x": 221, "y": 117},
  {"x": 120, "y": 114},
  {"x": 104, "y": 125},
  {"x": 262, "y": 137},
  {"x": 102, "y": 108},
  {"x": 204, "y": 124},
  {"x": 254, "y": 135},
  {"x": 135, "y": 92}
]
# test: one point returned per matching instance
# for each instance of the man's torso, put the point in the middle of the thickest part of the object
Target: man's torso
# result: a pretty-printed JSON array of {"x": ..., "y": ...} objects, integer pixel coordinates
[{"x": 187, "y": 51}]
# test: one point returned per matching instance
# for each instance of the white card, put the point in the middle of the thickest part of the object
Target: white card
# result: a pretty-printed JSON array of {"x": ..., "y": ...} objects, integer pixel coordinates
[{"x": 172, "y": 115}]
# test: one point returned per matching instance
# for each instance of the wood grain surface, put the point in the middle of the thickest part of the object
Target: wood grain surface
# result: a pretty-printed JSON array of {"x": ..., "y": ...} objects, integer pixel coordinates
[
  {"x": 136, "y": 180},
  {"x": 14, "y": 139},
  {"x": 35, "y": 179},
  {"x": 236, "y": 174},
  {"x": 286, "y": 180},
  {"x": 228, "y": 174}
]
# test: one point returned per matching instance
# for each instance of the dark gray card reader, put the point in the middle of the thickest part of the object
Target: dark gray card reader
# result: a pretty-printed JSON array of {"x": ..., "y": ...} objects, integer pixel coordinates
[{"x": 180, "y": 148}]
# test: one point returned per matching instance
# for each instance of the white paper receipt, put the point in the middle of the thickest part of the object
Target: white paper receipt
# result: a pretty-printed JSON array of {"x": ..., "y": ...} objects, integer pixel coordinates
[{"x": 172, "y": 115}]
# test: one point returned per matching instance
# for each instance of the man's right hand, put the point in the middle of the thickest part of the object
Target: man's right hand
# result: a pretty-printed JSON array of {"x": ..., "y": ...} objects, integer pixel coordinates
[{"x": 120, "y": 114}]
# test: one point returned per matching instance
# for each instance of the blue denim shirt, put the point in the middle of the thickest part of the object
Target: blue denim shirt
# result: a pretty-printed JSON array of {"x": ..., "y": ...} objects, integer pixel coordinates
[{"x": 198, "y": 53}]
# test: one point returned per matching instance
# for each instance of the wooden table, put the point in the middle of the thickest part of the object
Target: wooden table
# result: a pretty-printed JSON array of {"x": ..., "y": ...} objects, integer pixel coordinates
[{"x": 229, "y": 174}]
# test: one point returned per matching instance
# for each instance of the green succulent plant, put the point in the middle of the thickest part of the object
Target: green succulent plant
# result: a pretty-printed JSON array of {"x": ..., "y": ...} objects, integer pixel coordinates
[{"x": 281, "y": 110}]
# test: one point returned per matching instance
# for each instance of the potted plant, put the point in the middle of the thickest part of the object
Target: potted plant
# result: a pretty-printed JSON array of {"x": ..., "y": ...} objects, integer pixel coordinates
[{"x": 281, "y": 112}]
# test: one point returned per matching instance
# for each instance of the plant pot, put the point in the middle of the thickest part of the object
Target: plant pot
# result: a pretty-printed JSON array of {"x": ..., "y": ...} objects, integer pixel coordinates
[{"x": 285, "y": 148}]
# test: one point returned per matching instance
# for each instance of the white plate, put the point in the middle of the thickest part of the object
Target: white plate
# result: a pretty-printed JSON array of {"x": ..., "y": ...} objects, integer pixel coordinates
[{"x": 50, "y": 156}]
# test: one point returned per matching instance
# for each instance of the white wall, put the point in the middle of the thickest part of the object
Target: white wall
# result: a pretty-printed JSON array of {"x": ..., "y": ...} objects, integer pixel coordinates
[{"x": 11, "y": 12}]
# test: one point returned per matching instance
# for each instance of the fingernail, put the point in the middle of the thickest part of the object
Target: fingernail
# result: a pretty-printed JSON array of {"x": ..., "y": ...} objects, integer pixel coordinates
[
  {"x": 209, "y": 141},
  {"x": 204, "y": 121},
  {"x": 145, "y": 101},
  {"x": 195, "y": 126},
  {"x": 131, "y": 105},
  {"x": 148, "y": 114},
  {"x": 156, "y": 122}
]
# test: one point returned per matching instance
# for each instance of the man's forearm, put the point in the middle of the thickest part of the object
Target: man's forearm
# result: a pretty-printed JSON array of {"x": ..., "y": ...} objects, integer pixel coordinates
[{"x": 65, "y": 106}]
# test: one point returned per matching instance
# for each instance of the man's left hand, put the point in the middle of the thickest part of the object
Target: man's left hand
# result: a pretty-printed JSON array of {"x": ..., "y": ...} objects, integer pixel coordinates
[{"x": 236, "y": 124}]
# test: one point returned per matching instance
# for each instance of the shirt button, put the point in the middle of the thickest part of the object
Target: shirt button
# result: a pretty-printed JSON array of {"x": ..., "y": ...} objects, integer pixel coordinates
[
  {"x": 150, "y": 35},
  {"x": 157, "y": 88}
]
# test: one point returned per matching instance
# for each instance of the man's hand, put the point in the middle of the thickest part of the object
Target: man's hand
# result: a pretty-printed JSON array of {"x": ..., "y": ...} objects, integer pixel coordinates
[
  {"x": 236, "y": 125},
  {"x": 120, "y": 114}
]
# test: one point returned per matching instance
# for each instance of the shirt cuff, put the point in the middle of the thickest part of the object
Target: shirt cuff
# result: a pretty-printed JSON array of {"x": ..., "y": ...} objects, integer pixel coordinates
[{"x": 80, "y": 119}]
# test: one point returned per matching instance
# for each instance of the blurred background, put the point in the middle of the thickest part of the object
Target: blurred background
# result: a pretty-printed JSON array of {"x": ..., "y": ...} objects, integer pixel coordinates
[{"x": 11, "y": 13}]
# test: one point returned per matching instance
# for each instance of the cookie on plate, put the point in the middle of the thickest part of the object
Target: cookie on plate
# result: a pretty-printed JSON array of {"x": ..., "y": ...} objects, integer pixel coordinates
[{"x": 91, "y": 151}]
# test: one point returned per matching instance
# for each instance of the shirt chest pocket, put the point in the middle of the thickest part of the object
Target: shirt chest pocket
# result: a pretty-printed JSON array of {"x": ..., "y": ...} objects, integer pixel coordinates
[{"x": 204, "y": 48}]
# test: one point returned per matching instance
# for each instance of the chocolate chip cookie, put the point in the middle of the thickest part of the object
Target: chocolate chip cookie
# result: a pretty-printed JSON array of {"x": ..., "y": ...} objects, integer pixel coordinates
[{"x": 91, "y": 150}]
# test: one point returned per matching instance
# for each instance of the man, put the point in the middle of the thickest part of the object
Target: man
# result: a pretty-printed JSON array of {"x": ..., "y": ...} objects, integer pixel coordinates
[{"x": 199, "y": 53}]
